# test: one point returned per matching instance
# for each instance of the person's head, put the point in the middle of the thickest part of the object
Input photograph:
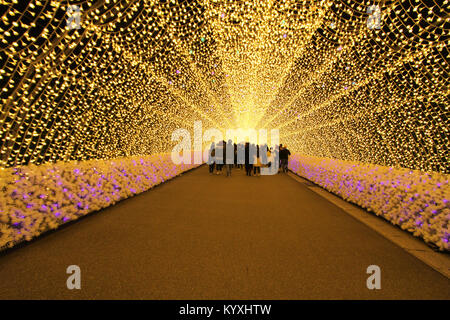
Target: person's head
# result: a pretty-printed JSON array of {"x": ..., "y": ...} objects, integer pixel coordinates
[{"x": 230, "y": 142}]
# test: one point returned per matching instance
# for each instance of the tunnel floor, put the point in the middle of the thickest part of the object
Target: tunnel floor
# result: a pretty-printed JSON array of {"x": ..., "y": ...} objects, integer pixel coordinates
[{"x": 204, "y": 236}]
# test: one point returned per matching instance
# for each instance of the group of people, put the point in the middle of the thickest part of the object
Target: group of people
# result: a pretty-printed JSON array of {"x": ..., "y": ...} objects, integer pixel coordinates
[{"x": 246, "y": 155}]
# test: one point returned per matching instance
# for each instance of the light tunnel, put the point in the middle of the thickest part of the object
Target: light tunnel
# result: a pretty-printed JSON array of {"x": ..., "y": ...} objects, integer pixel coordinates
[{"x": 92, "y": 92}]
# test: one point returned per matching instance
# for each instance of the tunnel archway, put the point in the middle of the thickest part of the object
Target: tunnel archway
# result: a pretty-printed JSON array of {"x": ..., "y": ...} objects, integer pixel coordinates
[
  {"x": 95, "y": 93},
  {"x": 131, "y": 73}
]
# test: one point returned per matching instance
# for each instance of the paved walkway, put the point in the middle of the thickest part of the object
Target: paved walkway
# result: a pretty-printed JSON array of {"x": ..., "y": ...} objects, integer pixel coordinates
[{"x": 211, "y": 237}]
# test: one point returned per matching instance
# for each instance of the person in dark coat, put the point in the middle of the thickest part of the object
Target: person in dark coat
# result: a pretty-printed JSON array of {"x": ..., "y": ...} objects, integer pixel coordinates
[
  {"x": 284, "y": 158},
  {"x": 257, "y": 162},
  {"x": 229, "y": 157},
  {"x": 235, "y": 163},
  {"x": 219, "y": 156},
  {"x": 248, "y": 166},
  {"x": 211, "y": 158}
]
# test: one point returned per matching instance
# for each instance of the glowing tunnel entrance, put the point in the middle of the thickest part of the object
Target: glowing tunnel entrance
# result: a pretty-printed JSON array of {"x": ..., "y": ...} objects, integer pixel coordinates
[
  {"x": 116, "y": 78},
  {"x": 93, "y": 92}
]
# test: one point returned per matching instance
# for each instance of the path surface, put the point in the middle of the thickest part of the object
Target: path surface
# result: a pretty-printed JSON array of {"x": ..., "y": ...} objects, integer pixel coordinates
[{"x": 211, "y": 237}]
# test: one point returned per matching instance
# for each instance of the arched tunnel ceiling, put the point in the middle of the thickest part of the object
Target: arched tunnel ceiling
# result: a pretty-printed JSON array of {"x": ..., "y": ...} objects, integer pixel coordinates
[{"x": 137, "y": 70}]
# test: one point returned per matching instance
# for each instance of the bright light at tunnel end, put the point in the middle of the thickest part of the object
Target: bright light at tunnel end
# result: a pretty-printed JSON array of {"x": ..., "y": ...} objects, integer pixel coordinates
[{"x": 199, "y": 152}]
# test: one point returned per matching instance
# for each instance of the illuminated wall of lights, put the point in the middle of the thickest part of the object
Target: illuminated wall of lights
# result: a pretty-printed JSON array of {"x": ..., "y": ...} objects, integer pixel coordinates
[
  {"x": 131, "y": 72},
  {"x": 39, "y": 198},
  {"x": 416, "y": 201}
]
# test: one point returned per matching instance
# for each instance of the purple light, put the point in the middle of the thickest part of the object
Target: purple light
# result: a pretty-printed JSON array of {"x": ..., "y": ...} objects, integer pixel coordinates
[{"x": 383, "y": 184}]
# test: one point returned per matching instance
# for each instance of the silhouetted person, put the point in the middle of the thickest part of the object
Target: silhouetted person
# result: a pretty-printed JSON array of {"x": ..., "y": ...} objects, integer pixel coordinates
[
  {"x": 257, "y": 163},
  {"x": 235, "y": 164},
  {"x": 211, "y": 157},
  {"x": 229, "y": 156},
  {"x": 275, "y": 154},
  {"x": 219, "y": 157},
  {"x": 280, "y": 165},
  {"x": 263, "y": 154},
  {"x": 248, "y": 166},
  {"x": 240, "y": 155},
  {"x": 284, "y": 159},
  {"x": 224, "y": 144}
]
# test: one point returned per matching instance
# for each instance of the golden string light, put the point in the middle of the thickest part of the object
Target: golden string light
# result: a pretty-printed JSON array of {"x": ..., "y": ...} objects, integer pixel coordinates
[{"x": 122, "y": 77}]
